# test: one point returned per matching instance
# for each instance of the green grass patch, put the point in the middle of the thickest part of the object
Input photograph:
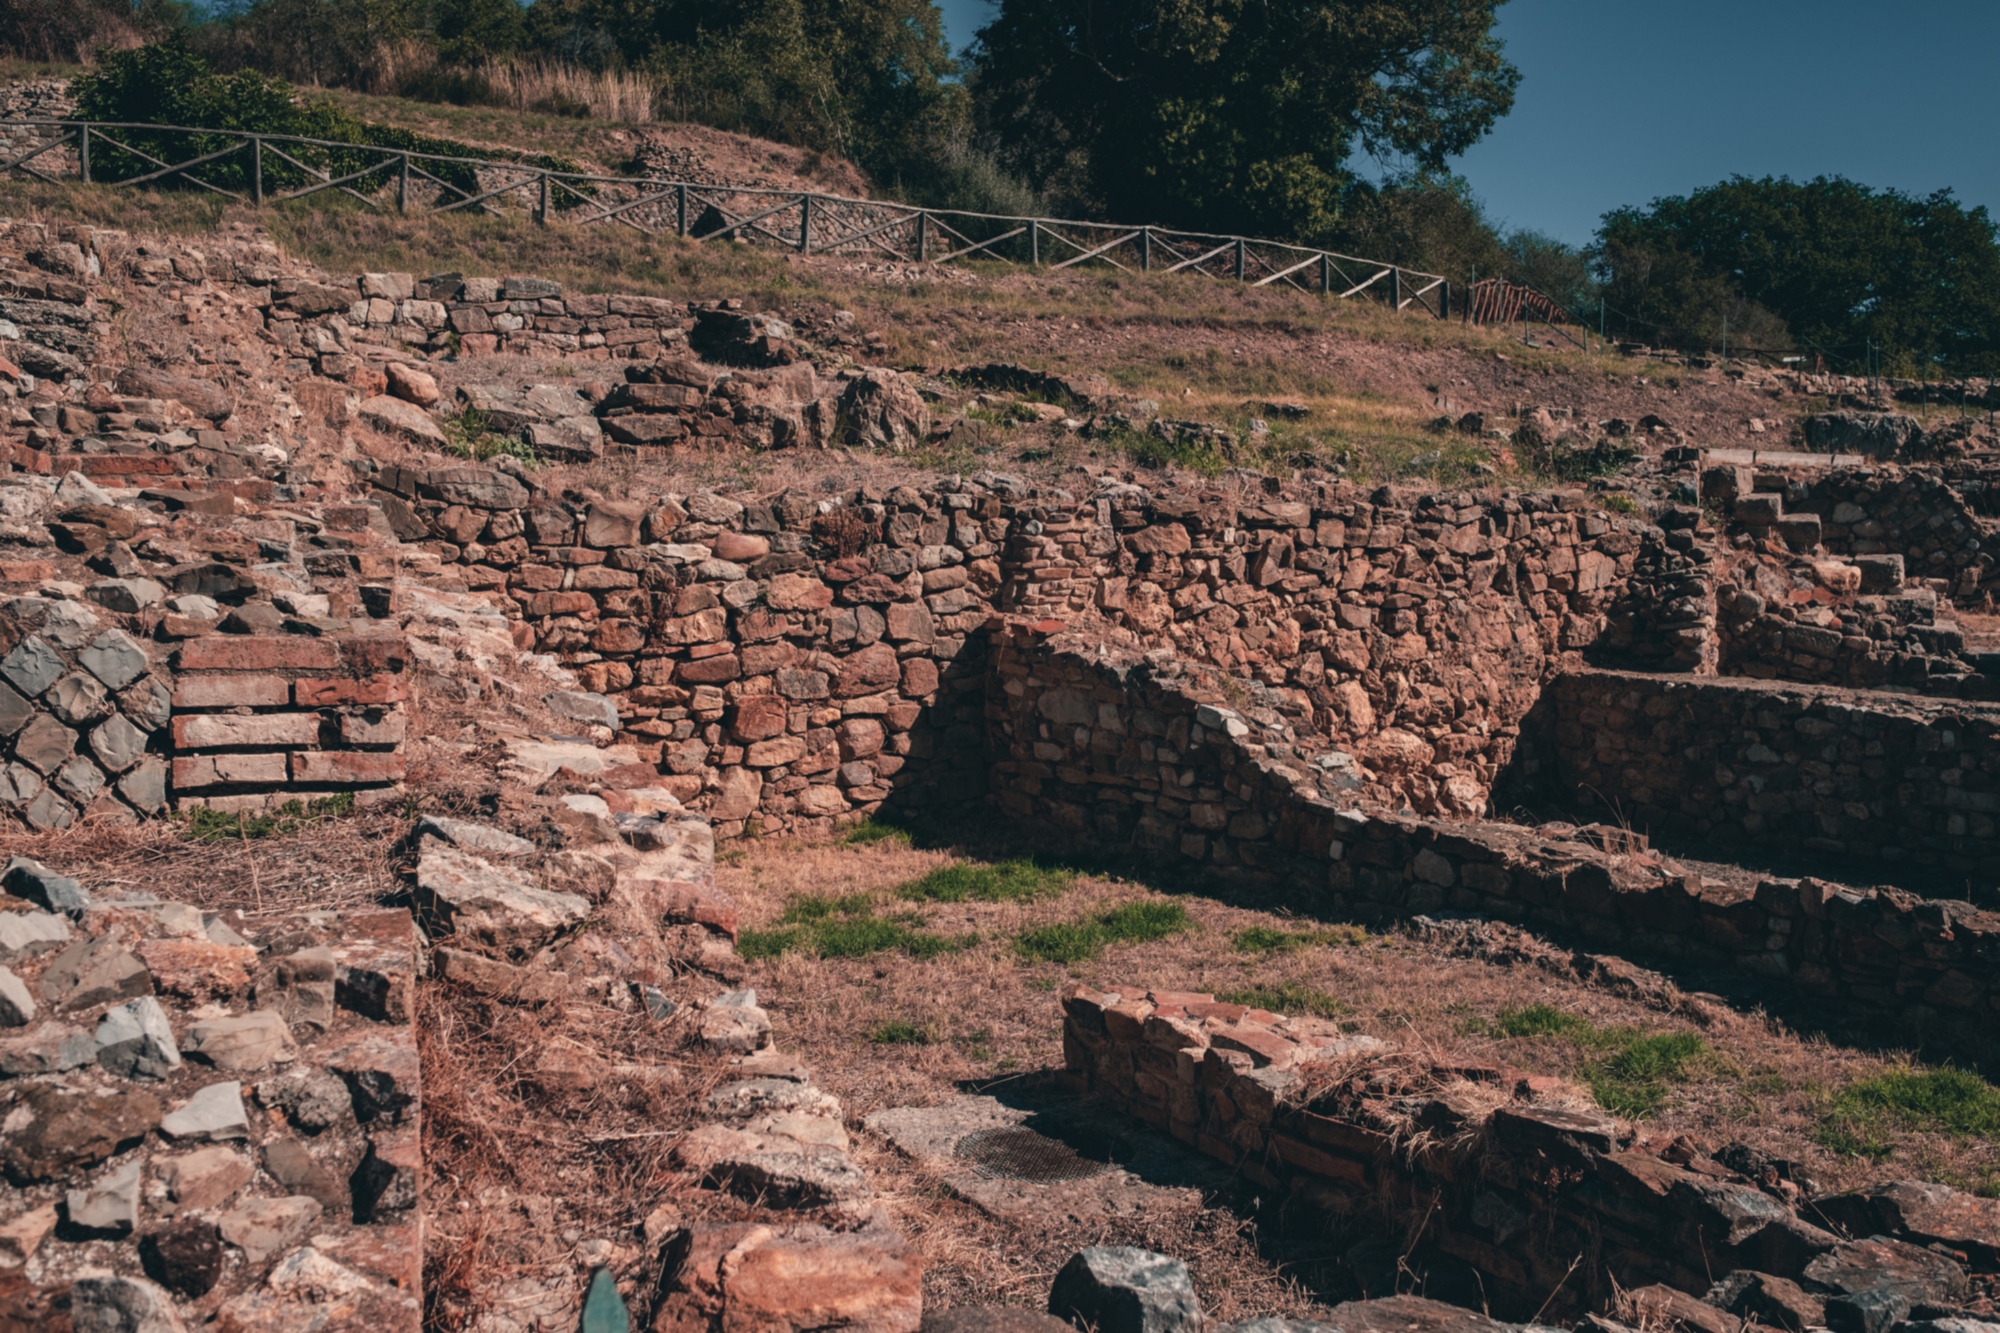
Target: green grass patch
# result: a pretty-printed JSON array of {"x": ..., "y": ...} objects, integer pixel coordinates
[
  {"x": 1289, "y": 998},
  {"x": 1864, "y": 1117},
  {"x": 902, "y": 1032},
  {"x": 294, "y": 816},
  {"x": 1632, "y": 1071},
  {"x": 846, "y": 927},
  {"x": 1268, "y": 940},
  {"x": 1078, "y": 941},
  {"x": 1009, "y": 881},
  {"x": 870, "y": 832}
]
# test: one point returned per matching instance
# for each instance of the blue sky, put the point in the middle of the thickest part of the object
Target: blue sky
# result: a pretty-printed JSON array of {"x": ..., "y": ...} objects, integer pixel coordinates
[{"x": 1622, "y": 101}]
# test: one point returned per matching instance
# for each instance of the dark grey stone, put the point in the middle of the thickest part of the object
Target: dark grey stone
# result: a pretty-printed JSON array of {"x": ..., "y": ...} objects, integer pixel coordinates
[
  {"x": 118, "y": 744},
  {"x": 146, "y": 786},
  {"x": 27, "y": 878},
  {"x": 81, "y": 780},
  {"x": 136, "y": 1041},
  {"x": 115, "y": 658},
  {"x": 1122, "y": 1289},
  {"x": 32, "y": 667},
  {"x": 15, "y": 712},
  {"x": 49, "y": 811},
  {"x": 46, "y": 745},
  {"x": 149, "y": 703}
]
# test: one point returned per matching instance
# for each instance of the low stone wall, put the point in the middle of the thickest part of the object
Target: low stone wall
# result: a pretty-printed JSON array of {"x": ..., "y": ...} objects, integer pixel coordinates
[
  {"x": 1110, "y": 752},
  {"x": 1889, "y": 782},
  {"x": 1556, "y": 1208}
]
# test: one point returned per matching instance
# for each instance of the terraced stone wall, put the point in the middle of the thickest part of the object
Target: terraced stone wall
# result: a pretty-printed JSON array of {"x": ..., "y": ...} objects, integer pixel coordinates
[
  {"x": 1886, "y": 784},
  {"x": 1148, "y": 756},
  {"x": 1515, "y": 1191}
]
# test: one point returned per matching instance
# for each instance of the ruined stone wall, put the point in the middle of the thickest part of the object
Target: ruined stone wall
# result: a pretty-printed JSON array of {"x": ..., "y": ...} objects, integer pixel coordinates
[
  {"x": 1914, "y": 513},
  {"x": 1558, "y": 1208},
  {"x": 732, "y": 632},
  {"x": 1893, "y": 781},
  {"x": 1147, "y": 757}
]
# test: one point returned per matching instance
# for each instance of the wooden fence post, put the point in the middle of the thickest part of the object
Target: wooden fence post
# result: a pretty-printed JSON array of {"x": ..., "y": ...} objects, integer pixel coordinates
[
  {"x": 680, "y": 210},
  {"x": 1395, "y": 289},
  {"x": 805, "y": 224},
  {"x": 1239, "y": 259},
  {"x": 542, "y": 204},
  {"x": 403, "y": 187},
  {"x": 83, "y": 153},
  {"x": 1145, "y": 249},
  {"x": 1035, "y": 243},
  {"x": 1444, "y": 300},
  {"x": 257, "y": 170},
  {"x": 923, "y": 237},
  {"x": 1325, "y": 275}
]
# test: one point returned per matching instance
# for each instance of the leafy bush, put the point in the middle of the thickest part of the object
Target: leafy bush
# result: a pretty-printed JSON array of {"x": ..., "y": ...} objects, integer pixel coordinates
[{"x": 168, "y": 84}]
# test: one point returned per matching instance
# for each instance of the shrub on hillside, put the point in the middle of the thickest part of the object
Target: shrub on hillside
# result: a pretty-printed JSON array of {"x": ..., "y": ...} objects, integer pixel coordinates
[{"x": 166, "y": 83}]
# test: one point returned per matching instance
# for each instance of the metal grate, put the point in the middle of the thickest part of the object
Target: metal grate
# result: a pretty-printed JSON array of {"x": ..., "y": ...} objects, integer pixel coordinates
[{"x": 1014, "y": 1152}]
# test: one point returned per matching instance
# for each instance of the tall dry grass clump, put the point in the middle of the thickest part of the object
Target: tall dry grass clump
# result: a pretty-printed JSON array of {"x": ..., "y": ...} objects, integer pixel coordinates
[{"x": 564, "y": 89}]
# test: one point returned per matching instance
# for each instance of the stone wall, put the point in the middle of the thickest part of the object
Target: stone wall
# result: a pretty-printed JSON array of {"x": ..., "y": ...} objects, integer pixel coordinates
[
  {"x": 1893, "y": 783},
  {"x": 1543, "y": 1205},
  {"x": 733, "y": 630},
  {"x": 260, "y": 720},
  {"x": 1117, "y": 752}
]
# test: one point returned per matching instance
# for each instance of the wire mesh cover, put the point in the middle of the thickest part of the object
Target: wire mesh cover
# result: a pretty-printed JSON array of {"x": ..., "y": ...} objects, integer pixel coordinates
[{"x": 1014, "y": 1152}]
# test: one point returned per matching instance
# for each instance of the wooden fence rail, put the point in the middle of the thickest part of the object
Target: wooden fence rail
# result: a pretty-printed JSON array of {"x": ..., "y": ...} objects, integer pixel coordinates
[{"x": 273, "y": 168}]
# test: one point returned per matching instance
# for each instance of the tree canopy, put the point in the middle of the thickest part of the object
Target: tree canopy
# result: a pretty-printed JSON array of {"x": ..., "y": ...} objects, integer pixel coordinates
[
  {"x": 1837, "y": 265},
  {"x": 1233, "y": 115}
]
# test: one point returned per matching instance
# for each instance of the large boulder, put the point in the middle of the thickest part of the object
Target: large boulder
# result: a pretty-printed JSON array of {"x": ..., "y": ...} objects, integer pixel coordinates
[
  {"x": 747, "y": 1276},
  {"x": 883, "y": 410},
  {"x": 394, "y": 417},
  {"x": 204, "y": 398},
  {"x": 460, "y": 894},
  {"x": 1122, "y": 1289},
  {"x": 1884, "y": 435}
]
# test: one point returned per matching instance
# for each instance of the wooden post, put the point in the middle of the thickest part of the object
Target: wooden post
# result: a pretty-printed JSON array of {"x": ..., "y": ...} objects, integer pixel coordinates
[
  {"x": 680, "y": 210},
  {"x": 1035, "y": 244},
  {"x": 542, "y": 204},
  {"x": 1145, "y": 249},
  {"x": 923, "y": 237},
  {"x": 1444, "y": 300},
  {"x": 83, "y": 153},
  {"x": 1325, "y": 275},
  {"x": 1395, "y": 289},
  {"x": 805, "y": 224},
  {"x": 1239, "y": 259},
  {"x": 257, "y": 170},
  {"x": 403, "y": 187}
]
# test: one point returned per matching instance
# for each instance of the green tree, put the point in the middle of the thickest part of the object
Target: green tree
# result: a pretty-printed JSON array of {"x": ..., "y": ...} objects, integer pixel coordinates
[
  {"x": 467, "y": 31},
  {"x": 1234, "y": 115},
  {"x": 871, "y": 80},
  {"x": 1843, "y": 266}
]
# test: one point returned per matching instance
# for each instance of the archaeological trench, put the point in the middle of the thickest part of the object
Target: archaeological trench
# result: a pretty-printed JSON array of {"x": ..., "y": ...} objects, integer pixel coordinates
[{"x": 1733, "y": 742}]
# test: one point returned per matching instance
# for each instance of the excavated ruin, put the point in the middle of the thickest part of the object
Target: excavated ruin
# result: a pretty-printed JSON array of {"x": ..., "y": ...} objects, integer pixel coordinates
[{"x": 240, "y": 563}]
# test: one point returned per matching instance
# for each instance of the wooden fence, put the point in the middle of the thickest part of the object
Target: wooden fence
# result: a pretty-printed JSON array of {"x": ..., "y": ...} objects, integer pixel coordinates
[{"x": 262, "y": 169}]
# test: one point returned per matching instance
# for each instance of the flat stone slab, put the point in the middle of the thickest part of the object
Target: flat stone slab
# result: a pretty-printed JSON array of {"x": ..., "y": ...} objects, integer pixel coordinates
[{"x": 1149, "y": 1172}]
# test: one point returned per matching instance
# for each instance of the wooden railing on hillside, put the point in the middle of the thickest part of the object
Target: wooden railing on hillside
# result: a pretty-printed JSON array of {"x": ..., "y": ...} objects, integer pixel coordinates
[{"x": 262, "y": 169}]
